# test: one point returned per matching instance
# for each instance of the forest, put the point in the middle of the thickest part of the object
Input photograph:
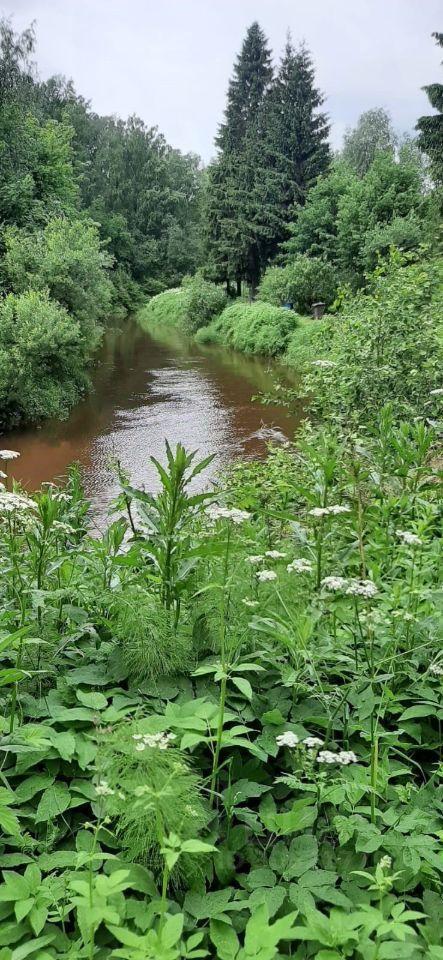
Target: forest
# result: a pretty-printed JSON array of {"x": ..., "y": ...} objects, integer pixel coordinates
[{"x": 221, "y": 715}]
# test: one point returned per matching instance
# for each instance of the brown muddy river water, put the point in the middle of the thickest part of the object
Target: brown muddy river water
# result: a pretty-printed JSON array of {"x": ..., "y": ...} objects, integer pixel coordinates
[{"x": 148, "y": 387}]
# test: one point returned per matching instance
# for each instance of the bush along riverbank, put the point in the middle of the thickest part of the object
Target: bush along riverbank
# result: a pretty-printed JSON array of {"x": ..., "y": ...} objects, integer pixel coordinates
[{"x": 220, "y": 727}]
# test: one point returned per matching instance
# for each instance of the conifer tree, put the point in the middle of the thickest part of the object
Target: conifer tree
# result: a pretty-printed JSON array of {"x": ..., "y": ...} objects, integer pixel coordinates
[
  {"x": 430, "y": 138},
  {"x": 297, "y": 132},
  {"x": 236, "y": 227}
]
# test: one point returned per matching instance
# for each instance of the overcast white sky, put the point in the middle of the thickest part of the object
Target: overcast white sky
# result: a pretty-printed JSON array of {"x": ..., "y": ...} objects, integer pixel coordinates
[{"x": 169, "y": 61}]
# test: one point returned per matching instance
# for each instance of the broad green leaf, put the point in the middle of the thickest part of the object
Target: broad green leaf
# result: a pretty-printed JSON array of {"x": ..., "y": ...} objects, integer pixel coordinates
[{"x": 54, "y": 801}]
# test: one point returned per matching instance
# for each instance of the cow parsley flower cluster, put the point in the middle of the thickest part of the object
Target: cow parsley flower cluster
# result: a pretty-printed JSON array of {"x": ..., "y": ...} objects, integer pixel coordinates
[
  {"x": 299, "y": 566},
  {"x": 216, "y": 512},
  {"x": 255, "y": 559},
  {"x": 313, "y": 742},
  {"x": 264, "y": 575},
  {"x": 288, "y": 739},
  {"x": 157, "y": 741},
  {"x": 334, "y": 583},
  {"x": 9, "y": 454},
  {"x": 351, "y": 587},
  {"x": 250, "y": 603},
  {"x": 275, "y": 554},
  {"x": 15, "y": 502},
  {"x": 410, "y": 538},
  {"x": 332, "y": 511},
  {"x": 344, "y": 757},
  {"x": 436, "y": 669}
]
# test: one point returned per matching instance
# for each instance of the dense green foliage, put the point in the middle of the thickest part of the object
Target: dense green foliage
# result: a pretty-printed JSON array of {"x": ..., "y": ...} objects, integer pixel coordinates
[
  {"x": 385, "y": 344},
  {"x": 350, "y": 219},
  {"x": 220, "y": 722},
  {"x": 431, "y": 128},
  {"x": 256, "y": 328},
  {"x": 92, "y": 210},
  {"x": 303, "y": 281},
  {"x": 43, "y": 357}
]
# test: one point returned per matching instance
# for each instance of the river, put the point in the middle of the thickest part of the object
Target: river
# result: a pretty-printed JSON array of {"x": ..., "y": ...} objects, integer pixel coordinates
[{"x": 148, "y": 387}]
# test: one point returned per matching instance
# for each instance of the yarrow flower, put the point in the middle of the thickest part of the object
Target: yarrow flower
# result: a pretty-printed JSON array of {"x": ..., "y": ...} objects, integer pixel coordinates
[
  {"x": 255, "y": 559},
  {"x": 385, "y": 863},
  {"x": 344, "y": 757},
  {"x": 287, "y": 739},
  {"x": 216, "y": 512},
  {"x": 436, "y": 669},
  {"x": 299, "y": 566},
  {"x": 9, "y": 454},
  {"x": 250, "y": 603},
  {"x": 410, "y": 538},
  {"x": 103, "y": 789},
  {"x": 264, "y": 575},
  {"x": 158, "y": 741},
  {"x": 275, "y": 554}
]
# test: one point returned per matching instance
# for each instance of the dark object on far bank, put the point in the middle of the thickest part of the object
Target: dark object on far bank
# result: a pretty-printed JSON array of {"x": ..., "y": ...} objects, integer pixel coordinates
[{"x": 318, "y": 310}]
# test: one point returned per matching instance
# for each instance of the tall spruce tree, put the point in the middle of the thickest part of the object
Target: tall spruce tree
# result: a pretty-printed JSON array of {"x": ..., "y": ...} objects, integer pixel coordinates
[
  {"x": 297, "y": 133},
  {"x": 430, "y": 129},
  {"x": 237, "y": 222}
]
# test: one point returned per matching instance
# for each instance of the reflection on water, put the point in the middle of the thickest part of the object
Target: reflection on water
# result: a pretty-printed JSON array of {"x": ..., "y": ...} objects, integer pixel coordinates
[{"x": 147, "y": 388}]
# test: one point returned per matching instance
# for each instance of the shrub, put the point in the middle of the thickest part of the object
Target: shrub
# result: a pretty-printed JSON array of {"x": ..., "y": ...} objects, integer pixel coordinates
[
  {"x": 252, "y": 328},
  {"x": 42, "y": 359},
  {"x": 302, "y": 282},
  {"x": 384, "y": 345},
  {"x": 190, "y": 307},
  {"x": 204, "y": 300},
  {"x": 66, "y": 258}
]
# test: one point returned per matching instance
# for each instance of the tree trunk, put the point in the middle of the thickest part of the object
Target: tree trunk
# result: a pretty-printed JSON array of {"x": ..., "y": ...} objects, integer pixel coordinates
[{"x": 239, "y": 286}]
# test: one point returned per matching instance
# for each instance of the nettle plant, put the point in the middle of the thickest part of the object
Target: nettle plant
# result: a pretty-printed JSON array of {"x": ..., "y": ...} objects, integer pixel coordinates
[{"x": 221, "y": 721}]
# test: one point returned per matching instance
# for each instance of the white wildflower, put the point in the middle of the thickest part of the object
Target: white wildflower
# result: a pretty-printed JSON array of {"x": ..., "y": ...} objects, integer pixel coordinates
[
  {"x": 275, "y": 554},
  {"x": 62, "y": 497},
  {"x": 287, "y": 739},
  {"x": 158, "y": 741},
  {"x": 318, "y": 512},
  {"x": 410, "y": 538},
  {"x": 63, "y": 527},
  {"x": 326, "y": 756},
  {"x": 332, "y": 511},
  {"x": 252, "y": 604},
  {"x": 346, "y": 756},
  {"x": 324, "y": 364},
  {"x": 313, "y": 742},
  {"x": 335, "y": 583},
  {"x": 361, "y": 588},
  {"x": 12, "y": 502},
  {"x": 216, "y": 512},
  {"x": 299, "y": 566},
  {"x": 9, "y": 454},
  {"x": 385, "y": 863},
  {"x": 103, "y": 789},
  {"x": 3, "y": 475},
  {"x": 255, "y": 559},
  {"x": 438, "y": 392},
  {"x": 436, "y": 669},
  {"x": 264, "y": 575}
]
